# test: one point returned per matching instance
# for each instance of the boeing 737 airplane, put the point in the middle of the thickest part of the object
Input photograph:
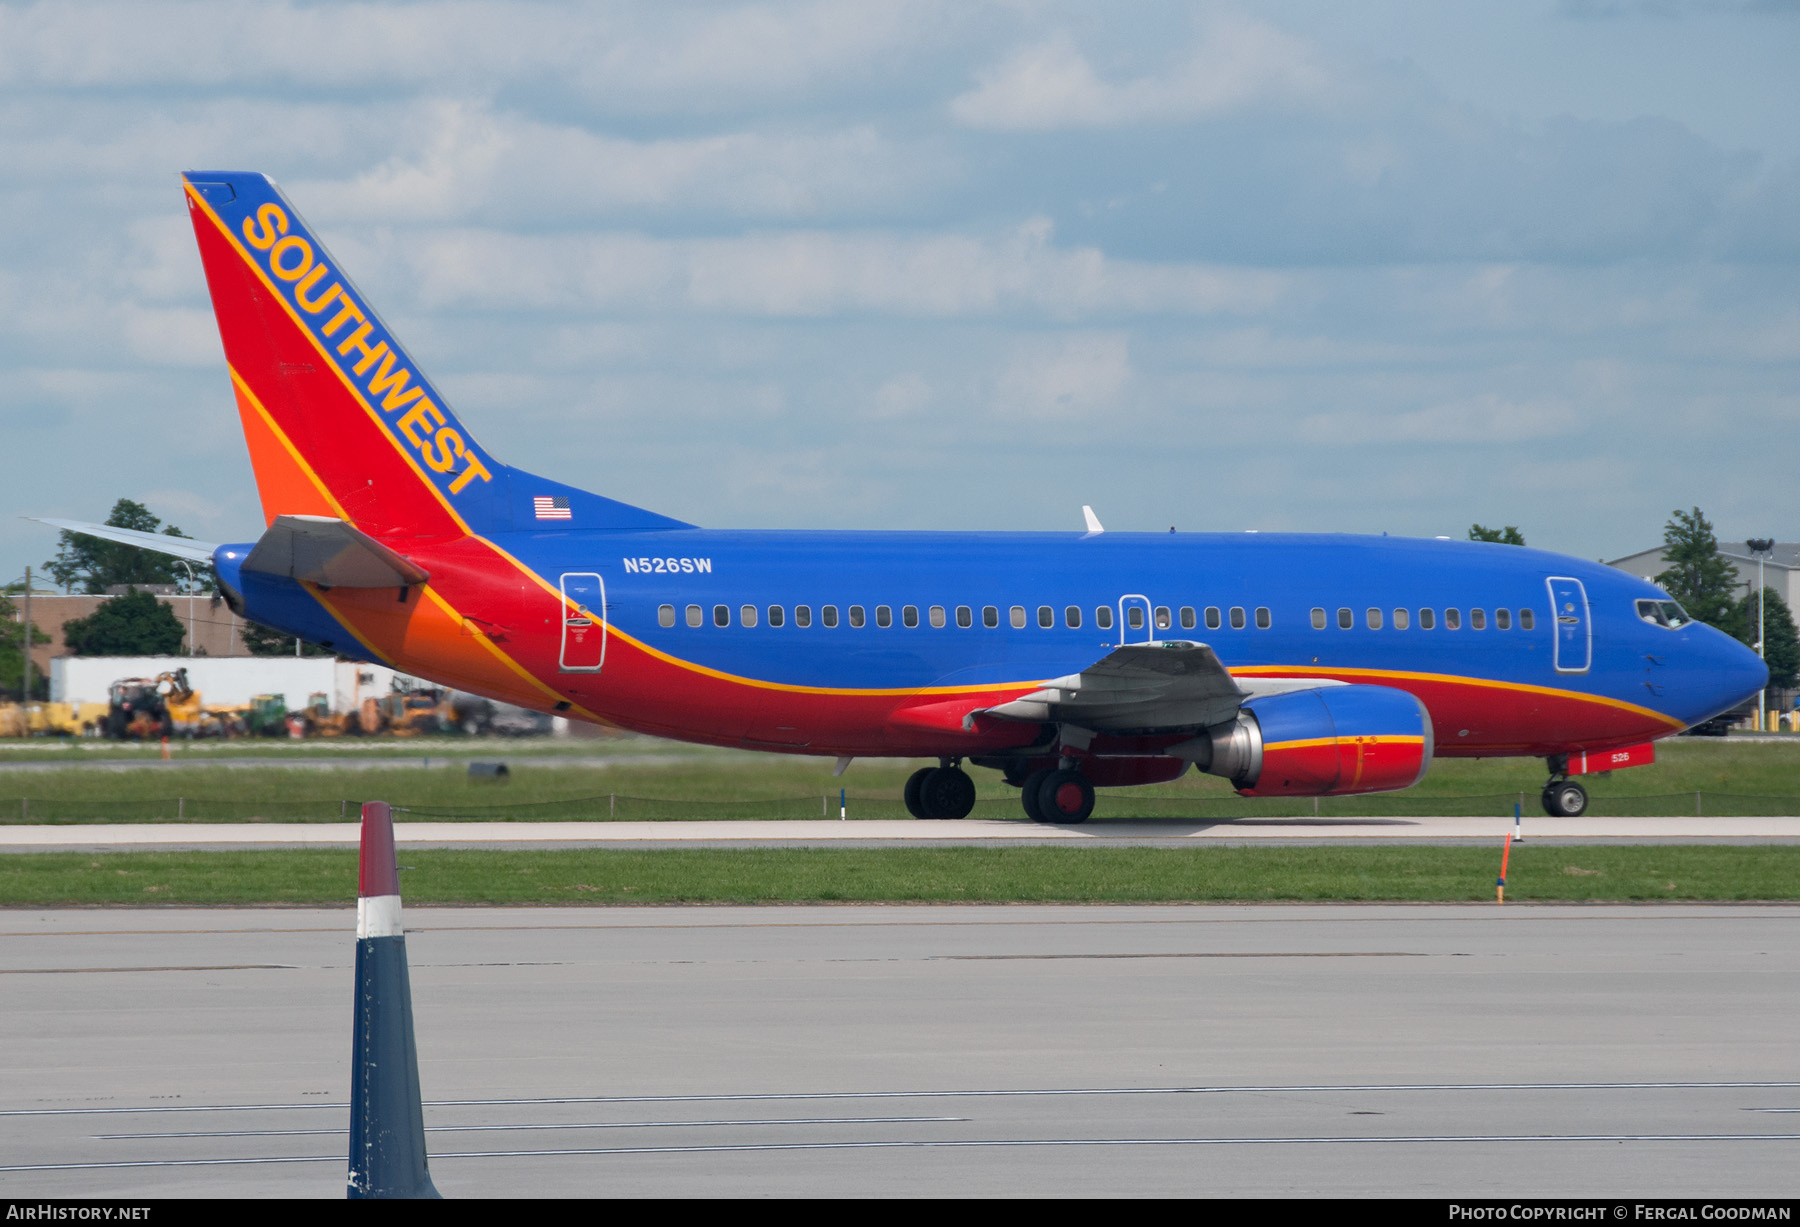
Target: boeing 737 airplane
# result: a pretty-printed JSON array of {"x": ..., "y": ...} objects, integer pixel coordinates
[{"x": 1292, "y": 665}]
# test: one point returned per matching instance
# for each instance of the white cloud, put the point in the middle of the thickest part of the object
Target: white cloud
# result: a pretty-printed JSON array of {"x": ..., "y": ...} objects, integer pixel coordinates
[
  {"x": 1235, "y": 63},
  {"x": 814, "y": 274},
  {"x": 1077, "y": 376}
]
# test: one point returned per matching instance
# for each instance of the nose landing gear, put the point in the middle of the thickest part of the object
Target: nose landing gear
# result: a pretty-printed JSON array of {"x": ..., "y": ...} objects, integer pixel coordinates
[
  {"x": 944, "y": 791},
  {"x": 1563, "y": 797}
]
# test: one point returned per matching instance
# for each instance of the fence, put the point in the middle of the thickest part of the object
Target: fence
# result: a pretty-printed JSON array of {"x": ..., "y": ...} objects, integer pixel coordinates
[{"x": 1110, "y": 805}]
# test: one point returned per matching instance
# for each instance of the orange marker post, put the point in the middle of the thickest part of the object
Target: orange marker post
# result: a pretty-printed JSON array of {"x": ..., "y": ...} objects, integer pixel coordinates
[
  {"x": 165, "y": 747},
  {"x": 1500, "y": 884}
]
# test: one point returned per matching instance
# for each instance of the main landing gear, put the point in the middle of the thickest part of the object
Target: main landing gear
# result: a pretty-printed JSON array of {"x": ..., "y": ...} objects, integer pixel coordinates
[
  {"x": 944, "y": 791},
  {"x": 1563, "y": 797},
  {"x": 1060, "y": 794}
]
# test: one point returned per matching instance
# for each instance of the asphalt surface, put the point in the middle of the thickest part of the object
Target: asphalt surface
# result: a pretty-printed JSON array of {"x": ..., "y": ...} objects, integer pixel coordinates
[
  {"x": 977, "y": 832},
  {"x": 922, "y": 1051}
]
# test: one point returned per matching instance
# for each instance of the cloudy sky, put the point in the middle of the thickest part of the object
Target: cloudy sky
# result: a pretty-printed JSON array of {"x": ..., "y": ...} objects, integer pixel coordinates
[{"x": 1386, "y": 266}]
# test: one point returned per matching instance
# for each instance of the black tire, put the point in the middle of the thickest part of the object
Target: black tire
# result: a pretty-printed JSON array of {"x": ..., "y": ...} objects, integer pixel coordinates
[
  {"x": 915, "y": 784},
  {"x": 1065, "y": 797},
  {"x": 1028, "y": 794},
  {"x": 947, "y": 792},
  {"x": 1565, "y": 799}
]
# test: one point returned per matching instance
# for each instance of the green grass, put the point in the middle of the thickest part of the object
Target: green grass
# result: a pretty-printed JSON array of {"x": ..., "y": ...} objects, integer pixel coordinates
[
  {"x": 1538, "y": 873},
  {"x": 1734, "y": 777}
]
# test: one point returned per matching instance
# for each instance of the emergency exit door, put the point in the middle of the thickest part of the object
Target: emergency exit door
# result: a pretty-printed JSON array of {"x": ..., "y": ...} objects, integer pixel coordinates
[{"x": 583, "y": 622}]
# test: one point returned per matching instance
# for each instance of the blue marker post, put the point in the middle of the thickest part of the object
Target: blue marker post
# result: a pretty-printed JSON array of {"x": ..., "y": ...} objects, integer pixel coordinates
[
  {"x": 843, "y": 807},
  {"x": 1518, "y": 830},
  {"x": 387, "y": 1120}
]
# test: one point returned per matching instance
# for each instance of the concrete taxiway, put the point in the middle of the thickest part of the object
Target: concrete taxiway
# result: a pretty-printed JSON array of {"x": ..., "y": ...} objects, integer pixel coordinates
[
  {"x": 883, "y": 832},
  {"x": 1055, "y": 1051}
]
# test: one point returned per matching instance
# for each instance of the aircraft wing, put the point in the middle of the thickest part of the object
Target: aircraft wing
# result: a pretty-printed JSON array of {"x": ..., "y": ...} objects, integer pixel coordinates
[
  {"x": 1145, "y": 687},
  {"x": 1173, "y": 684},
  {"x": 180, "y": 547},
  {"x": 326, "y": 551}
]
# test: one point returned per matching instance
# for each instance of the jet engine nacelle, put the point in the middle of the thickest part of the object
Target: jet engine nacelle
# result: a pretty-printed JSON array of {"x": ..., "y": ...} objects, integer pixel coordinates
[{"x": 1313, "y": 743}]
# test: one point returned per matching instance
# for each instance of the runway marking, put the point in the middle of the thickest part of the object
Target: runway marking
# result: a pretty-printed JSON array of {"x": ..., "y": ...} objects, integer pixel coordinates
[
  {"x": 800, "y": 1096},
  {"x": 956, "y": 1144},
  {"x": 47, "y": 971},
  {"x": 1203, "y": 954},
  {"x": 644, "y": 1124}
]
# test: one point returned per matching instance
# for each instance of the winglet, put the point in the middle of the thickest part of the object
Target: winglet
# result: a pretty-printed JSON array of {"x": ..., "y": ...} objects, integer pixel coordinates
[
  {"x": 387, "y": 1119},
  {"x": 1093, "y": 521}
]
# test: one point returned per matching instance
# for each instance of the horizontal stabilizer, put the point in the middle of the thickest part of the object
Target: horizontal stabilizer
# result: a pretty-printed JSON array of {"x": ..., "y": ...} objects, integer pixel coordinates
[
  {"x": 179, "y": 547},
  {"x": 326, "y": 551}
]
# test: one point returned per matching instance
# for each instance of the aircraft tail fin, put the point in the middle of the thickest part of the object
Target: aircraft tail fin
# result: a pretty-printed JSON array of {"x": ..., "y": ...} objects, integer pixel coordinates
[{"x": 340, "y": 420}]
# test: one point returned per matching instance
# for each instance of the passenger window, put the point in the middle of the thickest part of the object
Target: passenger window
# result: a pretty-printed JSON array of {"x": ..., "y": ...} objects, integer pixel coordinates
[
  {"x": 776, "y": 618},
  {"x": 1503, "y": 619},
  {"x": 1134, "y": 617},
  {"x": 1212, "y": 617},
  {"x": 856, "y": 616},
  {"x": 1103, "y": 617},
  {"x": 1187, "y": 617},
  {"x": 828, "y": 616},
  {"x": 1318, "y": 619},
  {"x": 747, "y": 615},
  {"x": 1237, "y": 617},
  {"x": 990, "y": 617},
  {"x": 1018, "y": 617},
  {"x": 965, "y": 617},
  {"x": 1526, "y": 620},
  {"x": 1452, "y": 620},
  {"x": 884, "y": 616},
  {"x": 1072, "y": 617},
  {"x": 1046, "y": 617},
  {"x": 721, "y": 615},
  {"x": 803, "y": 615},
  {"x": 1163, "y": 620},
  {"x": 695, "y": 615},
  {"x": 1402, "y": 619},
  {"x": 936, "y": 615},
  {"x": 1262, "y": 617},
  {"x": 1478, "y": 619},
  {"x": 1427, "y": 619},
  {"x": 1373, "y": 618},
  {"x": 1346, "y": 619},
  {"x": 909, "y": 615},
  {"x": 665, "y": 615}
]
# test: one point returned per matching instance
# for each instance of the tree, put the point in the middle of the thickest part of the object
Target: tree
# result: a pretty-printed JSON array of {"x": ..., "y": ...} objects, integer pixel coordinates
[
  {"x": 97, "y": 565},
  {"x": 267, "y": 641},
  {"x": 136, "y": 624},
  {"x": 1503, "y": 536},
  {"x": 12, "y": 654},
  {"x": 1697, "y": 575},
  {"x": 1781, "y": 642}
]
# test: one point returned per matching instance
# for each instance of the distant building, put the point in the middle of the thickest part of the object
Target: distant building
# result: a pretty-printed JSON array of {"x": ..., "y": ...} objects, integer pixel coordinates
[
  {"x": 216, "y": 631},
  {"x": 1781, "y": 569}
]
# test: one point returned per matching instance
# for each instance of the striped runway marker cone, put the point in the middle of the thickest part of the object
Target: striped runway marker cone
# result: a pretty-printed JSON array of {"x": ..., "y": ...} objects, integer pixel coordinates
[{"x": 387, "y": 1122}]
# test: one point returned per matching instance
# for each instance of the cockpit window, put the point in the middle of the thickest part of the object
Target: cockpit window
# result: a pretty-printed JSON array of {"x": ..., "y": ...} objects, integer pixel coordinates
[{"x": 1663, "y": 613}]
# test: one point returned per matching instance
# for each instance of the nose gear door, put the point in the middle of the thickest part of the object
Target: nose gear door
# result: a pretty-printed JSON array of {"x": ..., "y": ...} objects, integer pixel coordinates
[
  {"x": 583, "y": 622},
  {"x": 1574, "y": 645}
]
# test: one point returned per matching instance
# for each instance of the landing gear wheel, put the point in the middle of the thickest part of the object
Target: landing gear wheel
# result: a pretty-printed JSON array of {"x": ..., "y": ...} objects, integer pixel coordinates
[
  {"x": 946, "y": 792},
  {"x": 1565, "y": 799},
  {"x": 915, "y": 784},
  {"x": 1065, "y": 796},
  {"x": 1028, "y": 794}
]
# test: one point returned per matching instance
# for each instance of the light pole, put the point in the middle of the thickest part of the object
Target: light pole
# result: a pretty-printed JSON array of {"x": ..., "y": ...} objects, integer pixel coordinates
[
  {"x": 1759, "y": 548},
  {"x": 192, "y": 585}
]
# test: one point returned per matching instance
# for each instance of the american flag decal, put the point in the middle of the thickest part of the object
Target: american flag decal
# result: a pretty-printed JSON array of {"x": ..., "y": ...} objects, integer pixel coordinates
[{"x": 551, "y": 507}]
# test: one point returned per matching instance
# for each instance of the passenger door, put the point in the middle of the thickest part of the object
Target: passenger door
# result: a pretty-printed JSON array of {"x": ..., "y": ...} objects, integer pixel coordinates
[
  {"x": 583, "y": 622},
  {"x": 1573, "y": 625}
]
